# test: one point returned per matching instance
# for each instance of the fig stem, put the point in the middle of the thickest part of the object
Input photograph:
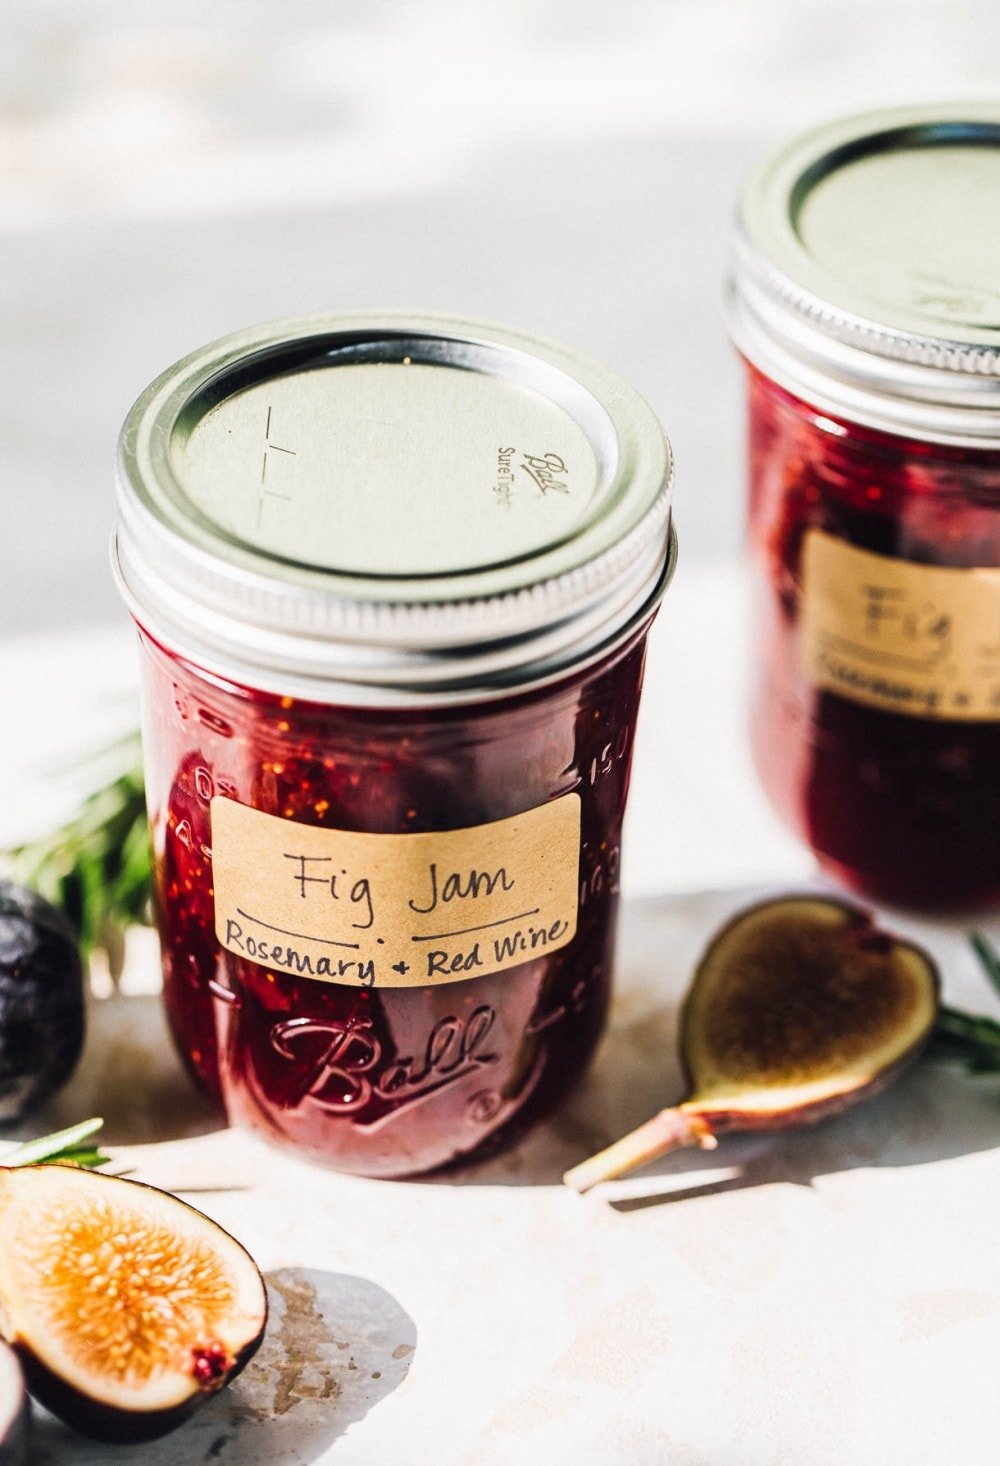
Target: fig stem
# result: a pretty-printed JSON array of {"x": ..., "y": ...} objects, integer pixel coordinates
[{"x": 669, "y": 1130}]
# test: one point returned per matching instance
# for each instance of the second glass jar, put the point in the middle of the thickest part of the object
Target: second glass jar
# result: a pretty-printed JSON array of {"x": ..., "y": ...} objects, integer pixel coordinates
[
  {"x": 861, "y": 305},
  {"x": 903, "y": 802}
]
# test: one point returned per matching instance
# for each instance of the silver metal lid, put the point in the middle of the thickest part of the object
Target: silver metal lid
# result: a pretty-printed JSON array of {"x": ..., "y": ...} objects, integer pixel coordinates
[
  {"x": 866, "y": 271},
  {"x": 390, "y": 508}
]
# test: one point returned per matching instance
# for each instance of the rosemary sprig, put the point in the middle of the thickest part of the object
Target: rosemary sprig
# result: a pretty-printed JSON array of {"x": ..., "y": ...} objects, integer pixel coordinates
[
  {"x": 971, "y": 1039},
  {"x": 968, "y": 1039},
  {"x": 988, "y": 956},
  {"x": 73, "y": 1146},
  {"x": 97, "y": 868}
]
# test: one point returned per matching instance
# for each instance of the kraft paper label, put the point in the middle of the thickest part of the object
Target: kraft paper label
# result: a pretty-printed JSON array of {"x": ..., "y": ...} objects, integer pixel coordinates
[
  {"x": 921, "y": 640},
  {"x": 395, "y": 910}
]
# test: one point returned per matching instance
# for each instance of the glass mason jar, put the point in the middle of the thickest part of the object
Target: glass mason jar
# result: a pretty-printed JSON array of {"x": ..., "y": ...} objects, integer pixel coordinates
[
  {"x": 393, "y": 578},
  {"x": 866, "y": 305}
]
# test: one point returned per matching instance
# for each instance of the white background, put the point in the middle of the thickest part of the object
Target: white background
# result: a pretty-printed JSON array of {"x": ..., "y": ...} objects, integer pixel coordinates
[{"x": 171, "y": 170}]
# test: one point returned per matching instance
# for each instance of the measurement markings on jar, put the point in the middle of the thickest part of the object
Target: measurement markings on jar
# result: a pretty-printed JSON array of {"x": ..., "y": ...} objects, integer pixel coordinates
[
  {"x": 376, "y": 910},
  {"x": 266, "y": 492}
]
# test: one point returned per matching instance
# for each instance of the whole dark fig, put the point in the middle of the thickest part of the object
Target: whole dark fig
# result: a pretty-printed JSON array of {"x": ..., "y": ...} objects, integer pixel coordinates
[
  {"x": 41, "y": 1001},
  {"x": 13, "y": 1411}
]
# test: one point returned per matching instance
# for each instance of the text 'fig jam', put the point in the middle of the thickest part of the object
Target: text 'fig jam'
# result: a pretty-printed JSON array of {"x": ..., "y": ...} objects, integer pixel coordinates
[
  {"x": 866, "y": 306},
  {"x": 393, "y": 580}
]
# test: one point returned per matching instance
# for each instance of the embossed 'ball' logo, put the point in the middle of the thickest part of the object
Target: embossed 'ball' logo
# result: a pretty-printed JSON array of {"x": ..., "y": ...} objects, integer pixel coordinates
[{"x": 337, "y": 1059}]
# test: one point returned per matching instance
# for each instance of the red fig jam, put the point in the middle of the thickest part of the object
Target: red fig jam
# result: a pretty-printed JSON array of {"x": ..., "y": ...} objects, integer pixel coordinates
[
  {"x": 902, "y": 806},
  {"x": 387, "y": 807},
  {"x": 405, "y": 1078},
  {"x": 864, "y": 304}
]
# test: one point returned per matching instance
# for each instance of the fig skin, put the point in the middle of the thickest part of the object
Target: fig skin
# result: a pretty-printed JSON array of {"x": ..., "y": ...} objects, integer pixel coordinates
[
  {"x": 104, "y": 1423},
  {"x": 41, "y": 1001},
  {"x": 100, "y": 1419},
  {"x": 859, "y": 920},
  {"x": 15, "y": 1429},
  {"x": 762, "y": 1049}
]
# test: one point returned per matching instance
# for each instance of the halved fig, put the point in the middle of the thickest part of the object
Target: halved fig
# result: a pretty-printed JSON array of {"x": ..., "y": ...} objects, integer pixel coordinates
[
  {"x": 127, "y": 1307},
  {"x": 13, "y": 1411},
  {"x": 799, "y": 1008}
]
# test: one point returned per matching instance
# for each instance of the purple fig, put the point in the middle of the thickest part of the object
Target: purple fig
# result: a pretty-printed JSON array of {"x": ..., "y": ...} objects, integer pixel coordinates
[
  {"x": 126, "y": 1307},
  {"x": 799, "y": 1008}
]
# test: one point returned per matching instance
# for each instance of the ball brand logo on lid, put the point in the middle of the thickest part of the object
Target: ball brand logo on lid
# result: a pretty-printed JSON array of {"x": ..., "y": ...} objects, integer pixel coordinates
[
  {"x": 422, "y": 506},
  {"x": 865, "y": 271},
  {"x": 547, "y": 470},
  {"x": 387, "y": 469},
  {"x": 952, "y": 298}
]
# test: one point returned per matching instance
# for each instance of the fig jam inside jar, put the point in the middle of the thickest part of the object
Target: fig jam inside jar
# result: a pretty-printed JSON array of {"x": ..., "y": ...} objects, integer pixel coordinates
[
  {"x": 393, "y": 580},
  {"x": 866, "y": 308}
]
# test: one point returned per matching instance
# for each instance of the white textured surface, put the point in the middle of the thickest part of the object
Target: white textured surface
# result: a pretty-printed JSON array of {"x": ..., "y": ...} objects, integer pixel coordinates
[
  {"x": 815, "y": 1299},
  {"x": 819, "y": 1298}
]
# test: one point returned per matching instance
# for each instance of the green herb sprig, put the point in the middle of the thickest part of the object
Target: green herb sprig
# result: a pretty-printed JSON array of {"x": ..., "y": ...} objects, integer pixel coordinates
[
  {"x": 971, "y": 1039},
  {"x": 97, "y": 867},
  {"x": 73, "y": 1146}
]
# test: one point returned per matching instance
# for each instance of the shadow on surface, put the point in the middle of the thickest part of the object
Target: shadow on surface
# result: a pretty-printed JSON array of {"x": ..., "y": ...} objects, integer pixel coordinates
[
  {"x": 931, "y": 1113},
  {"x": 335, "y": 1347},
  {"x": 129, "y": 1074}
]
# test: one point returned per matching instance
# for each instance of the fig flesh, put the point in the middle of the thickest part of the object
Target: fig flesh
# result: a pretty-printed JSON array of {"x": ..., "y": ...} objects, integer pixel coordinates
[
  {"x": 126, "y": 1307},
  {"x": 799, "y": 1008},
  {"x": 13, "y": 1411}
]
